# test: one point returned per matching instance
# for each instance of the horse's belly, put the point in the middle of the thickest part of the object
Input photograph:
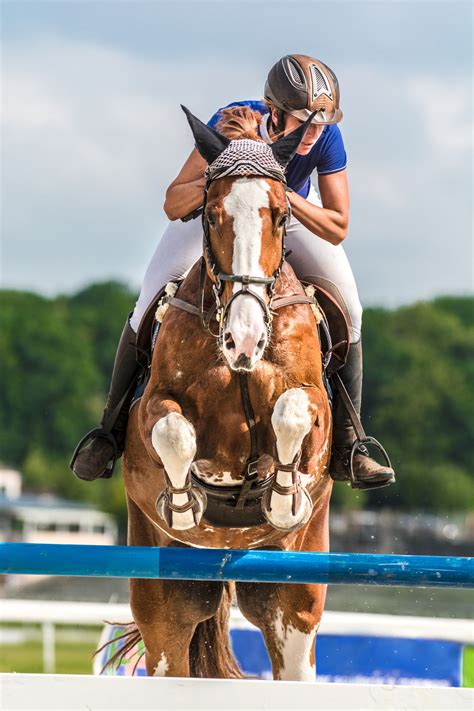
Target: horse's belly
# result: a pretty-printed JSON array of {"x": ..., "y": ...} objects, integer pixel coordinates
[{"x": 210, "y": 473}]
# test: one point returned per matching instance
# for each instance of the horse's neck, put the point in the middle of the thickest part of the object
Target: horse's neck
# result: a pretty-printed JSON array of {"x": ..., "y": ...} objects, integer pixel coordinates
[
  {"x": 190, "y": 289},
  {"x": 288, "y": 282}
]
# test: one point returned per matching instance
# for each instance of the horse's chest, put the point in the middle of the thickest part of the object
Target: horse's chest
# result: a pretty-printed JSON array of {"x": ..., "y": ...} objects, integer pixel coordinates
[{"x": 213, "y": 403}]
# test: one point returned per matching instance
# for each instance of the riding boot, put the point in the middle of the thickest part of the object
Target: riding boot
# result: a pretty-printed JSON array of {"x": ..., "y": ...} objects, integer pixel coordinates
[
  {"x": 367, "y": 473},
  {"x": 97, "y": 452}
]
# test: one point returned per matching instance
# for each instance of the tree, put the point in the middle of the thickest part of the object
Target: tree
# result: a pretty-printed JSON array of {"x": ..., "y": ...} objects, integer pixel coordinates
[{"x": 56, "y": 356}]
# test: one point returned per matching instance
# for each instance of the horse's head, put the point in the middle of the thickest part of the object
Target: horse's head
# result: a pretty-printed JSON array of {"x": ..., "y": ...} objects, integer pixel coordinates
[{"x": 245, "y": 214}]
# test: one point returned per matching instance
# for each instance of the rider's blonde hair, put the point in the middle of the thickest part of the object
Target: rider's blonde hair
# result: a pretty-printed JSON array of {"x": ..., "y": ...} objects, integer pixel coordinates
[{"x": 237, "y": 122}]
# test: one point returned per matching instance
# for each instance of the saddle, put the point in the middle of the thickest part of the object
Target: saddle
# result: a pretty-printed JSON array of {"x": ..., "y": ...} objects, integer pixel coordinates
[{"x": 240, "y": 506}]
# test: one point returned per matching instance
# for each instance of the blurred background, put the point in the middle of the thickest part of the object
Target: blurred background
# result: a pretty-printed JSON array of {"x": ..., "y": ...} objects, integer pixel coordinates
[{"x": 92, "y": 134}]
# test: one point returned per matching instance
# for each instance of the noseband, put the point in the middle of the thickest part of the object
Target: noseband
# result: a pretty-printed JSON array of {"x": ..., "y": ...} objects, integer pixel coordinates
[{"x": 247, "y": 280}]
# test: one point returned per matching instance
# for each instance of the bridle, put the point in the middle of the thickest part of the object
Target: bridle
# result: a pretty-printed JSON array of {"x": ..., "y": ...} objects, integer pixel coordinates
[{"x": 247, "y": 280}]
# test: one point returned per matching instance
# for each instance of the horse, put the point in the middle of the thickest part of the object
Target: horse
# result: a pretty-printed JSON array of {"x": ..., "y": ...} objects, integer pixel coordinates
[{"x": 229, "y": 445}]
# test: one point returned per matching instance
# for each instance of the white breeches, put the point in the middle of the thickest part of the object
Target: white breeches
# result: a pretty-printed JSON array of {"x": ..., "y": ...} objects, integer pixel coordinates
[{"x": 181, "y": 246}]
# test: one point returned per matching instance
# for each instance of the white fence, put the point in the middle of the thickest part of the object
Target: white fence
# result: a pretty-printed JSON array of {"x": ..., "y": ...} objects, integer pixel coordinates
[
  {"x": 44, "y": 692},
  {"x": 51, "y": 613}
]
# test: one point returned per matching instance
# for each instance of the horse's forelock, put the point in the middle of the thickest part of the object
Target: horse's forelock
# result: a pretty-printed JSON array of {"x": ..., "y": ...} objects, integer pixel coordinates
[{"x": 238, "y": 122}]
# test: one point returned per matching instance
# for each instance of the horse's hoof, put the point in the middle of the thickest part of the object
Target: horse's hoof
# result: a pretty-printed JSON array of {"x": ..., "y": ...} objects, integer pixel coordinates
[
  {"x": 185, "y": 516},
  {"x": 281, "y": 517}
]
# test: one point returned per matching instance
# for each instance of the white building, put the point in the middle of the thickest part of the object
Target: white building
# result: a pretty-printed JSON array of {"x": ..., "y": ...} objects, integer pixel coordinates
[
  {"x": 48, "y": 519},
  {"x": 10, "y": 483}
]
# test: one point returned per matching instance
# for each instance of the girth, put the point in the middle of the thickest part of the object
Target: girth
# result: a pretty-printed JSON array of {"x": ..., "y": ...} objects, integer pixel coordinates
[{"x": 222, "y": 502}]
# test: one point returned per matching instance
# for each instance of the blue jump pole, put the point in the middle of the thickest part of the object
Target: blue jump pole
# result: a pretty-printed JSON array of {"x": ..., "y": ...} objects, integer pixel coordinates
[{"x": 241, "y": 565}]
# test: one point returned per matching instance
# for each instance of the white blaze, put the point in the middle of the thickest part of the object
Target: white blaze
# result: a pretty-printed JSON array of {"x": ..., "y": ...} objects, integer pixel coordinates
[{"x": 244, "y": 202}]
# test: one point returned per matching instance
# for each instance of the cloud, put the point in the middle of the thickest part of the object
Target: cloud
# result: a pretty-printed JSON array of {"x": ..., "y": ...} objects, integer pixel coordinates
[
  {"x": 85, "y": 115},
  {"x": 444, "y": 106},
  {"x": 410, "y": 177},
  {"x": 93, "y": 135}
]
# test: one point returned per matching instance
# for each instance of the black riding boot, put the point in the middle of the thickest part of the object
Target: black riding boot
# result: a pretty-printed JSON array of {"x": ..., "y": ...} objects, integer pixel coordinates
[
  {"x": 368, "y": 474},
  {"x": 97, "y": 452}
]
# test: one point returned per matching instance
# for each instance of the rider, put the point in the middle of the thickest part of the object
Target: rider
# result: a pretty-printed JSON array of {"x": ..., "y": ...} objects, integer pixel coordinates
[{"x": 296, "y": 86}]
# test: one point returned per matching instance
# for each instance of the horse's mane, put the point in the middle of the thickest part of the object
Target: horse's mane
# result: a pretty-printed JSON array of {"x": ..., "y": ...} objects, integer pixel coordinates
[{"x": 237, "y": 122}]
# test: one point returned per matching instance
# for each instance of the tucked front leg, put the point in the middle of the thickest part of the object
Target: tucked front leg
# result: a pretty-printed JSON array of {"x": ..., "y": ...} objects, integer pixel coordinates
[
  {"x": 173, "y": 438},
  {"x": 287, "y": 504}
]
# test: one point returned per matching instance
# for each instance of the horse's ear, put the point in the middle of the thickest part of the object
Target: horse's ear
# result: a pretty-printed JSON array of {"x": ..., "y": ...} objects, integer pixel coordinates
[
  {"x": 285, "y": 148},
  {"x": 209, "y": 142}
]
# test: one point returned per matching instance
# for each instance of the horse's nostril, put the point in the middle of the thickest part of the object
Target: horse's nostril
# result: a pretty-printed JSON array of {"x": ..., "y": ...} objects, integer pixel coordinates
[
  {"x": 261, "y": 343},
  {"x": 229, "y": 341}
]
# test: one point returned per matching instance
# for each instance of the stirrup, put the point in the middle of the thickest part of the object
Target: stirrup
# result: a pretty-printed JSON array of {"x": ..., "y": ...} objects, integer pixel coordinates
[
  {"x": 92, "y": 434},
  {"x": 361, "y": 483}
]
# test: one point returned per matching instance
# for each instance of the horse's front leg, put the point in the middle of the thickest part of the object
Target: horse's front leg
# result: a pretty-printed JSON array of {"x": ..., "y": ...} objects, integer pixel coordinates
[
  {"x": 173, "y": 438},
  {"x": 287, "y": 505}
]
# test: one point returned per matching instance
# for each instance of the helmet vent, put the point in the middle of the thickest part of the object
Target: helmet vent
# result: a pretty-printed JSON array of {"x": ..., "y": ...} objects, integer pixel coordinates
[
  {"x": 296, "y": 74},
  {"x": 320, "y": 83},
  {"x": 332, "y": 75}
]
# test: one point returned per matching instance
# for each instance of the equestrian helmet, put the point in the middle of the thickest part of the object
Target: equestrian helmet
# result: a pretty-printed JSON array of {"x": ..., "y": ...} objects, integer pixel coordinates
[{"x": 299, "y": 85}]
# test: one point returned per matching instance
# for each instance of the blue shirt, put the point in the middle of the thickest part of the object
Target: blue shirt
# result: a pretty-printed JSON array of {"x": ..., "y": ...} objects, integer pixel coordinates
[{"x": 327, "y": 155}]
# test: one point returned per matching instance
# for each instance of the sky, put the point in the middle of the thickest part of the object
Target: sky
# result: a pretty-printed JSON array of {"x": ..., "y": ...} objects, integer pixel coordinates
[{"x": 92, "y": 132}]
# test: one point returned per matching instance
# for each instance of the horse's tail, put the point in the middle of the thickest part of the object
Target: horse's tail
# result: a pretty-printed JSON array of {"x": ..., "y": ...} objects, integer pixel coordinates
[
  {"x": 127, "y": 646},
  {"x": 210, "y": 653}
]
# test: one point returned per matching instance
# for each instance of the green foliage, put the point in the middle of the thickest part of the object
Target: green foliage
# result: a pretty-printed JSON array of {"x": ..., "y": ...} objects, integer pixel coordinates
[
  {"x": 344, "y": 497},
  {"x": 98, "y": 314},
  {"x": 418, "y": 390},
  {"x": 56, "y": 357}
]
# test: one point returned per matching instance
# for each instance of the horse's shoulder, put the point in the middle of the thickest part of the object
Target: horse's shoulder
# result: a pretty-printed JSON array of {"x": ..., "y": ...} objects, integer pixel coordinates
[{"x": 288, "y": 282}]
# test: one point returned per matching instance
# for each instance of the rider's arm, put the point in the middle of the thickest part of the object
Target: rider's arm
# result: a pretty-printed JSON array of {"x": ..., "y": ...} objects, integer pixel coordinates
[
  {"x": 331, "y": 221},
  {"x": 186, "y": 192}
]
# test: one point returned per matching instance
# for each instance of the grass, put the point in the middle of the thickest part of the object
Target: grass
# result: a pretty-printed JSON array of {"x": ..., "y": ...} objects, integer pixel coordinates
[
  {"x": 27, "y": 658},
  {"x": 468, "y": 667},
  {"x": 73, "y": 656}
]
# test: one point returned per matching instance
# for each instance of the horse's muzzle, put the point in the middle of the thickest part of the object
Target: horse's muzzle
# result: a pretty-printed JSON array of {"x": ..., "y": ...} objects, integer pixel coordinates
[{"x": 243, "y": 362}]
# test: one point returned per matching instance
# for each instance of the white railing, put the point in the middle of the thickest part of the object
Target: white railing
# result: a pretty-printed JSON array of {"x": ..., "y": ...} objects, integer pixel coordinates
[
  {"x": 44, "y": 692},
  {"x": 48, "y": 614}
]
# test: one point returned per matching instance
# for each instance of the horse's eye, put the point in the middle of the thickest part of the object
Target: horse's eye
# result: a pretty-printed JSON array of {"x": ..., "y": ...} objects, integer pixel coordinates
[
  {"x": 282, "y": 221},
  {"x": 211, "y": 219}
]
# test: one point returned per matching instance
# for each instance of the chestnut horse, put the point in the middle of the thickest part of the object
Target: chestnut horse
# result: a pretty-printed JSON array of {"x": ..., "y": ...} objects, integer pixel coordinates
[{"x": 207, "y": 401}]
